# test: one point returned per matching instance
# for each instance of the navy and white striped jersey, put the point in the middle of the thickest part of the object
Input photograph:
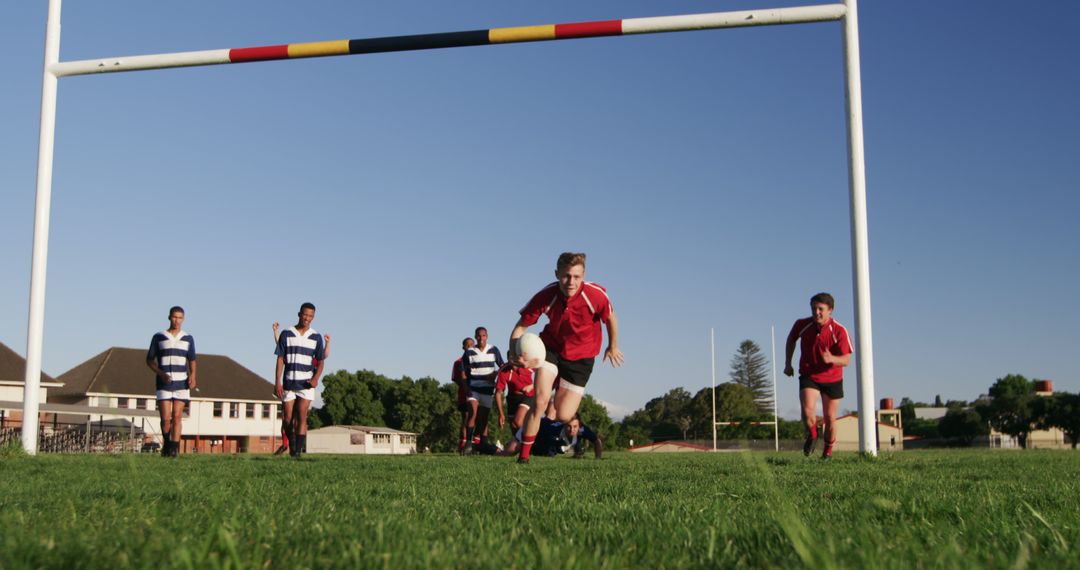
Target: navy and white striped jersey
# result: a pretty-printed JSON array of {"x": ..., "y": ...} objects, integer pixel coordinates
[
  {"x": 172, "y": 354},
  {"x": 299, "y": 351},
  {"x": 481, "y": 367}
]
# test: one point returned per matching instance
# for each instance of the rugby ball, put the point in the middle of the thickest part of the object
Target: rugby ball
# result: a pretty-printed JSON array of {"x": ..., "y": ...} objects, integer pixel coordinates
[{"x": 531, "y": 348}]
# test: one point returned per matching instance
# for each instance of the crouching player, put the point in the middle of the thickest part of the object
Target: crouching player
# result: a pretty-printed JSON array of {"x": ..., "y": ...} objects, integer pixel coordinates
[
  {"x": 556, "y": 438},
  {"x": 575, "y": 308},
  {"x": 517, "y": 382}
]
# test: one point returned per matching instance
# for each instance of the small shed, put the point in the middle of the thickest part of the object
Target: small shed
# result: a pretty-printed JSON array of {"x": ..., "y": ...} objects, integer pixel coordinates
[{"x": 362, "y": 440}]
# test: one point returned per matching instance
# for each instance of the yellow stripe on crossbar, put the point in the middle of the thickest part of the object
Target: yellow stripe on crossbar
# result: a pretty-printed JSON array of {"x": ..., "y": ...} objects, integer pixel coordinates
[
  {"x": 315, "y": 49},
  {"x": 521, "y": 34}
]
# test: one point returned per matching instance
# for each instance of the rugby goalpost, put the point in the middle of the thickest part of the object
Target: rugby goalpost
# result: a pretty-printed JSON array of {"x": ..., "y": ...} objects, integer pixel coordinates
[
  {"x": 846, "y": 13},
  {"x": 775, "y": 423}
]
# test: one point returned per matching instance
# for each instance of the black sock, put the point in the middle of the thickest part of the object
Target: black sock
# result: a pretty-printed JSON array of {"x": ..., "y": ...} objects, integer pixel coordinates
[{"x": 469, "y": 436}]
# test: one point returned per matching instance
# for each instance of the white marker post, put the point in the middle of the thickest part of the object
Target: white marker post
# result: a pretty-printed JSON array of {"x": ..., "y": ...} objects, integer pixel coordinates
[
  {"x": 712, "y": 361},
  {"x": 860, "y": 248}
]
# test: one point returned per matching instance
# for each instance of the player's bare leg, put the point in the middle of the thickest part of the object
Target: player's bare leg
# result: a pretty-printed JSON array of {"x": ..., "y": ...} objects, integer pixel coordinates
[
  {"x": 165, "y": 411},
  {"x": 177, "y": 425},
  {"x": 808, "y": 397},
  {"x": 470, "y": 425},
  {"x": 519, "y": 417},
  {"x": 543, "y": 381},
  {"x": 567, "y": 400},
  {"x": 829, "y": 407},
  {"x": 287, "y": 419},
  {"x": 300, "y": 414}
]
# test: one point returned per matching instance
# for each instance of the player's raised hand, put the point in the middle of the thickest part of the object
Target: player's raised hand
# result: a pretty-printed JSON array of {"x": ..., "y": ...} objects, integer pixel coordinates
[{"x": 614, "y": 355}]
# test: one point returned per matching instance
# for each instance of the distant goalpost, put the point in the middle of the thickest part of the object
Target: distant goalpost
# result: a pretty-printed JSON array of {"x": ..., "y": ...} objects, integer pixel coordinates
[{"x": 846, "y": 13}]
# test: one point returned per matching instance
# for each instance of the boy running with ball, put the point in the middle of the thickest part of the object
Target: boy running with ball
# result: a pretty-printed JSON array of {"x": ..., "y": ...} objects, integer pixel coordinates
[{"x": 575, "y": 309}]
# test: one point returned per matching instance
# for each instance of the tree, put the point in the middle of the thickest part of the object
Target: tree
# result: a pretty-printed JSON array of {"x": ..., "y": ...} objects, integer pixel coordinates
[
  {"x": 1010, "y": 409},
  {"x": 593, "y": 414},
  {"x": 749, "y": 368},
  {"x": 962, "y": 425},
  {"x": 684, "y": 423},
  {"x": 418, "y": 407},
  {"x": 734, "y": 402},
  {"x": 1062, "y": 411},
  {"x": 348, "y": 400}
]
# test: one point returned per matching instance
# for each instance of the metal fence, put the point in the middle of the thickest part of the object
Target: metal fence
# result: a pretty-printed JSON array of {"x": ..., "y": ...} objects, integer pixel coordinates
[{"x": 90, "y": 437}]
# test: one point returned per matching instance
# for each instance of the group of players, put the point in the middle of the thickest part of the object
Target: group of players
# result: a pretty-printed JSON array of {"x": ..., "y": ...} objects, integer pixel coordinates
[
  {"x": 543, "y": 392},
  {"x": 300, "y": 351}
]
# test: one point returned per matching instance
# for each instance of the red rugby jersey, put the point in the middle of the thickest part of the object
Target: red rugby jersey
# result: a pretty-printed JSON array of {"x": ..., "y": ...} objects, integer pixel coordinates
[
  {"x": 814, "y": 341},
  {"x": 516, "y": 379},
  {"x": 456, "y": 376},
  {"x": 573, "y": 328}
]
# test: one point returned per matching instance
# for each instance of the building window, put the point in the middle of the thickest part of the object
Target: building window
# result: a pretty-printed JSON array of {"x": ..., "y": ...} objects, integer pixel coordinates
[
  {"x": 217, "y": 409},
  {"x": 249, "y": 411},
  {"x": 381, "y": 439},
  {"x": 140, "y": 404},
  {"x": 266, "y": 411},
  {"x": 234, "y": 410},
  {"x": 122, "y": 403},
  {"x": 104, "y": 401}
]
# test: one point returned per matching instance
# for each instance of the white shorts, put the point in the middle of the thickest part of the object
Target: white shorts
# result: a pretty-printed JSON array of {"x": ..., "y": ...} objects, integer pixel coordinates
[
  {"x": 290, "y": 395},
  {"x": 564, "y": 385},
  {"x": 484, "y": 400},
  {"x": 182, "y": 395}
]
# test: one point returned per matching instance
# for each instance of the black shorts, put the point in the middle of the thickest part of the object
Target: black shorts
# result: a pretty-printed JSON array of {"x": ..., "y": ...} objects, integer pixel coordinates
[
  {"x": 834, "y": 390},
  {"x": 576, "y": 372},
  {"x": 463, "y": 406},
  {"x": 516, "y": 399}
]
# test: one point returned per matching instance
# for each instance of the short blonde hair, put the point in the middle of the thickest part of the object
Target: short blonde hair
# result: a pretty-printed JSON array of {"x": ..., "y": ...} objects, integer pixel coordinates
[{"x": 569, "y": 259}]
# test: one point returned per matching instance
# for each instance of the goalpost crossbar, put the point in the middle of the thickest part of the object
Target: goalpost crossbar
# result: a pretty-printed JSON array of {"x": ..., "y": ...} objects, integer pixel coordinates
[{"x": 493, "y": 36}]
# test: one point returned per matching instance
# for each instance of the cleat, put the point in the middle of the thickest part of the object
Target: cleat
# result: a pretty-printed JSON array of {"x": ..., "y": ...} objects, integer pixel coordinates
[
  {"x": 522, "y": 461},
  {"x": 281, "y": 450},
  {"x": 808, "y": 445},
  {"x": 827, "y": 452},
  {"x": 468, "y": 450}
]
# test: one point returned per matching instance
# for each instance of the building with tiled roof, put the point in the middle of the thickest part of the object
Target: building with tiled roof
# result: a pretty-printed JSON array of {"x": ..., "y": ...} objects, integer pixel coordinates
[{"x": 232, "y": 408}]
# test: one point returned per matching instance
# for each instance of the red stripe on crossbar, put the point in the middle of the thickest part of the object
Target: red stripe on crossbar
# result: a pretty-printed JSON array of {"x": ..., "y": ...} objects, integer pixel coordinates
[
  {"x": 589, "y": 29},
  {"x": 261, "y": 53}
]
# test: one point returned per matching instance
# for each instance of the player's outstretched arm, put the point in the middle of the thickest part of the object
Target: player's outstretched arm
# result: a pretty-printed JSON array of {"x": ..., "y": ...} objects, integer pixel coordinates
[{"x": 613, "y": 354}]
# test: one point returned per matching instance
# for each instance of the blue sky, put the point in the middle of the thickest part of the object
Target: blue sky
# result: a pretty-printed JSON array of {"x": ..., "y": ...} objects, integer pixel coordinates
[{"x": 413, "y": 196}]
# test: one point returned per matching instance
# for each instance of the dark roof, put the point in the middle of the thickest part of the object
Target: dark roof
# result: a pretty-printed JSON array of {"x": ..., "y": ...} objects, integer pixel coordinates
[
  {"x": 13, "y": 366},
  {"x": 124, "y": 371}
]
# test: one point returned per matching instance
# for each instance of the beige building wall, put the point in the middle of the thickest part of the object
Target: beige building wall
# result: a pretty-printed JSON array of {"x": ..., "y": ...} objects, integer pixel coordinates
[{"x": 360, "y": 440}]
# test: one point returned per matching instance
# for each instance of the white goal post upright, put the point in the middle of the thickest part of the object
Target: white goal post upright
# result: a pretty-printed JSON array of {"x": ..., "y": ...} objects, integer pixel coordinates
[{"x": 53, "y": 69}]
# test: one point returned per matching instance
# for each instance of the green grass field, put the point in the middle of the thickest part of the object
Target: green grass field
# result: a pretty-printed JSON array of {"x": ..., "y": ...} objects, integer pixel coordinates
[{"x": 970, "y": 509}]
